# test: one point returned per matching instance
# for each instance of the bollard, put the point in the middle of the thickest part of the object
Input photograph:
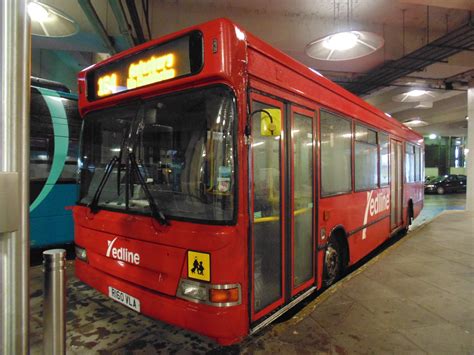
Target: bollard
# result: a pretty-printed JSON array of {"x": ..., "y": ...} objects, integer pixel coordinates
[{"x": 54, "y": 309}]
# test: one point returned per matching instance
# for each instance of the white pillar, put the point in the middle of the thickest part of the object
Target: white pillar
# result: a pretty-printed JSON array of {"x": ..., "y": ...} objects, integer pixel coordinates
[
  {"x": 470, "y": 146},
  {"x": 14, "y": 185}
]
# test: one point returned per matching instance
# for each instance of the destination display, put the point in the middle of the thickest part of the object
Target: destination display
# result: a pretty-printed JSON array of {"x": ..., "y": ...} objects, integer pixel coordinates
[{"x": 177, "y": 58}]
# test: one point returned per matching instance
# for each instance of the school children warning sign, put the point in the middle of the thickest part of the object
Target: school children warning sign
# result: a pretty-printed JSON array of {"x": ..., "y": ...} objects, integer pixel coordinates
[{"x": 199, "y": 266}]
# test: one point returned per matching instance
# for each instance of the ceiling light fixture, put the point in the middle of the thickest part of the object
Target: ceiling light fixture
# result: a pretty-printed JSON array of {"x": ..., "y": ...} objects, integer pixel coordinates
[
  {"x": 37, "y": 12},
  {"x": 432, "y": 136},
  {"x": 416, "y": 93},
  {"x": 415, "y": 122},
  {"x": 47, "y": 21},
  {"x": 346, "y": 45},
  {"x": 341, "y": 41}
]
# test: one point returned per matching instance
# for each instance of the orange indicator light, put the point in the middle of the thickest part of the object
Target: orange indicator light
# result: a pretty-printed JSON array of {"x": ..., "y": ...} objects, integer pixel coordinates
[{"x": 224, "y": 296}]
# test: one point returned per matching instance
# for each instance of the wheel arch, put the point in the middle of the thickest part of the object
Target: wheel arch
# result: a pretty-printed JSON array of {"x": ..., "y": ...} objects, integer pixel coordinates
[
  {"x": 410, "y": 211},
  {"x": 340, "y": 235}
]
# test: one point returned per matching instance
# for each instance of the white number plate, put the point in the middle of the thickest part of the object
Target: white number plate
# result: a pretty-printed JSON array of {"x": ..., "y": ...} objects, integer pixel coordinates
[{"x": 125, "y": 299}]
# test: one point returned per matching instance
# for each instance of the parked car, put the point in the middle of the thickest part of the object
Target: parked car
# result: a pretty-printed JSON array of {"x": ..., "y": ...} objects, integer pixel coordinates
[
  {"x": 429, "y": 178},
  {"x": 446, "y": 183}
]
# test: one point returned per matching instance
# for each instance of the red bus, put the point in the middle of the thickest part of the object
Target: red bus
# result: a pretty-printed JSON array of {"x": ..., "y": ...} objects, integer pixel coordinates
[{"x": 222, "y": 181}]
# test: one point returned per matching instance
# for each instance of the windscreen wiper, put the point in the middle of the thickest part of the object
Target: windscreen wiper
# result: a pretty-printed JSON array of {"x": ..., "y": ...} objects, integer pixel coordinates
[
  {"x": 119, "y": 166},
  {"x": 136, "y": 127},
  {"x": 94, "y": 204},
  {"x": 155, "y": 211}
]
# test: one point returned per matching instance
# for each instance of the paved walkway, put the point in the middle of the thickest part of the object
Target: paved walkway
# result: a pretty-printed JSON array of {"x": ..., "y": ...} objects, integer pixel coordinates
[
  {"x": 415, "y": 297},
  {"x": 435, "y": 204}
]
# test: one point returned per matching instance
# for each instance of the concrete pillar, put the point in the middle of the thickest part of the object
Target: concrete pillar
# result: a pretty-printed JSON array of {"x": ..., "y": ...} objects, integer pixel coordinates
[
  {"x": 14, "y": 179},
  {"x": 470, "y": 146}
]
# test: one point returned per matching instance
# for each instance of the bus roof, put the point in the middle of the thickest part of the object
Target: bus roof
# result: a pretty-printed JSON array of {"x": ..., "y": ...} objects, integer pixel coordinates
[
  {"x": 256, "y": 43},
  {"x": 313, "y": 75}
]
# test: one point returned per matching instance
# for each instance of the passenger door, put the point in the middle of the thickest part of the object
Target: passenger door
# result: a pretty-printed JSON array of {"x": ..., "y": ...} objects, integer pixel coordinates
[
  {"x": 396, "y": 183},
  {"x": 282, "y": 203},
  {"x": 267, "y": 198}
]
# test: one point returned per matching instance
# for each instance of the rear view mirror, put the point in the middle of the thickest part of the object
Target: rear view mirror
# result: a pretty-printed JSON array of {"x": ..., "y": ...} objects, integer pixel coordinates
[{"x": 150, "y": 116}]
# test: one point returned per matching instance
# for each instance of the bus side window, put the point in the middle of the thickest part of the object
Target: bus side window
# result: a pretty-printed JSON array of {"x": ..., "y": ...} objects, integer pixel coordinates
[
  {"x": 384, "y": 159},
  {"x": 410, "y": 162},
  {"x": 336, "y": 150}
]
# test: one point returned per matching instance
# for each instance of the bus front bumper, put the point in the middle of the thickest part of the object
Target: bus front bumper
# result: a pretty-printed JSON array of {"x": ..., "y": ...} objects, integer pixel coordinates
[{"x": 226, "y": 325}]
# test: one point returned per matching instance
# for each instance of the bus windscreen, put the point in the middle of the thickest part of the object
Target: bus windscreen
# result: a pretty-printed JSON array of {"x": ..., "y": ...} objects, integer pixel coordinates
[{"x": 170, "y": 60}]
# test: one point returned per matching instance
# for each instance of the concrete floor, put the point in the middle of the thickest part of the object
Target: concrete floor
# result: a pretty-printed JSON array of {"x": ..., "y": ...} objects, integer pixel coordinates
[
  {"x": 417, "y": 296},
  {"x": 435, "y": 204}
]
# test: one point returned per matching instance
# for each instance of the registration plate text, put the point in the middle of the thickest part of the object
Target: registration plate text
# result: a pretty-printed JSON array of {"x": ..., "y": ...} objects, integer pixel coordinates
[{"x": 125, "y": 299}]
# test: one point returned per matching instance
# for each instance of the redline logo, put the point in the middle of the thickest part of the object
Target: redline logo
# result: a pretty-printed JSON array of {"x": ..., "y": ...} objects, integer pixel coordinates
[
  {"x": 374, "y": 206},
  {"x": 122, "y": 254}
]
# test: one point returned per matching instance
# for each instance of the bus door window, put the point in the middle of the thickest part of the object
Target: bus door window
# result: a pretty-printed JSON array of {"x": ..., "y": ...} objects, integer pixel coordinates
[
  {"x": 267, "y": 236},
  {"x": 302, "y": 165},
  {"x": 396, "y": 183}
]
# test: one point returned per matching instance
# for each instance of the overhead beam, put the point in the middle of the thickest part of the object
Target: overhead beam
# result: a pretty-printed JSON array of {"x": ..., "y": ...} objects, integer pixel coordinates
[
  {"x": 95, "y": 21},
  {"x": 119, "y": 14},
  {"x": 436, "y": 51},
  {"x": 137, "y": 26},
  {"x": 447, "y": 4}
]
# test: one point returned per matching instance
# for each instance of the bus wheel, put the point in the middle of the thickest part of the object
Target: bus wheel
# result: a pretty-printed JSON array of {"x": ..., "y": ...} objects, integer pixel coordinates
[
  {"x": 332, "y": 263},
  {"x": 440, "y": 190},
  {"x": 410, "y": 213}
]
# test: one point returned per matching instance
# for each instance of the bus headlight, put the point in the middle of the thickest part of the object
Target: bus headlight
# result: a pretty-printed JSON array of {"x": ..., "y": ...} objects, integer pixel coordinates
[
  {"x": 214, "y": 295},
  {"x": 81, "y": 253},
  {"x": 192, "y": 290}
]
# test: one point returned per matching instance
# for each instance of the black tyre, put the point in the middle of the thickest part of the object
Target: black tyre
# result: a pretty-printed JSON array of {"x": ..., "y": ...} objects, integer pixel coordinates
[
  {"x": 410, "y": 218},
  {"x": 440, "y": 190},
  {"x": 332, "y": 263},
  {"x": 410, "y": 214}
]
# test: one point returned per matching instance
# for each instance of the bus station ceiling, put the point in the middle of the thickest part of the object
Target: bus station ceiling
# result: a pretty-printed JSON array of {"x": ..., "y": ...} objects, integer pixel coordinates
[{"x": 407, "y": 26}]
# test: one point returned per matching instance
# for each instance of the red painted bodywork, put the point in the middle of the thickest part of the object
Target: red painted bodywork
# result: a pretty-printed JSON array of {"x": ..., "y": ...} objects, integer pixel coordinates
[{"x": 242, "y": 61}]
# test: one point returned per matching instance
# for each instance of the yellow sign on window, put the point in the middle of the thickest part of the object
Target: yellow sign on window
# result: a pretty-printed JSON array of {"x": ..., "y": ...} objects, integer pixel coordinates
[
  {"x": 199, "y": 266},
  {"x": 270, "y": 122}
]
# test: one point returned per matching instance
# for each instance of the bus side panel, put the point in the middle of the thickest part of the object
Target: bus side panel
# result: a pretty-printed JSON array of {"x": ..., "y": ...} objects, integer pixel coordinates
[
  {"x": 414, "y": 192},
  {"x": 353, "y": 212},
  {"x": 51, "y": 223},
  {"x": 375, "y": 235}
]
